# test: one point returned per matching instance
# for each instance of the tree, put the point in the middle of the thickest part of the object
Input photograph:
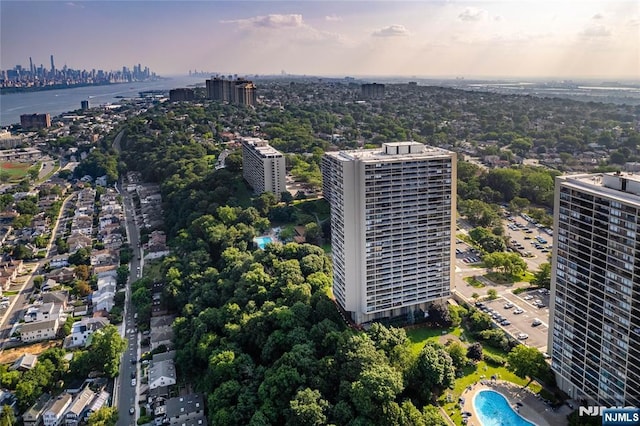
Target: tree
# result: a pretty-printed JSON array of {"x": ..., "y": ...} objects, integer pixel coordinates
[
  {"x": 492, "y": 293},
  {"x": 458, "y": 354},
  {"x": 376, "y": 388},
  {"x": 474, "y": 351},
  {"x": 106, "y": 348},
  {"x": 122, "y": 275},
  {"x": 439, "y": 315},
  {"x": 82, "y": 288},
  {"x": 432, "y": 371},
  {"x": 37, "y": 281},
  {"x": 105, "y": 416},
  {"x": 81, "y": 257},
  {"x": 475, "y": 296},
  {"x": 7, "y": 418},
  {"x": 527, "y": 361},
  {"x": 542, "y": 278},
  {"x": 308, "y": 408},
  {"x": 82, "y": 272}
]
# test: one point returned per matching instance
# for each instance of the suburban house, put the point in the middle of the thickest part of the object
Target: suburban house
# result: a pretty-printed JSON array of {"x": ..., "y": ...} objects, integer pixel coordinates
[
  {"x": 81, "y": 330},
  {"x": 62, "y": 275},
  {"x": 102, "y": 298},
  {"x": 98, "y": 402},
  {"x": 59, "y": 261},
  {"x": 41, "y": 330},
  {"x": 57, "y": 297},
  {"x": 53, "y": 414},
  {"x": 33, "y": 415},
  {"x": 162, "y": 373},
  {"x": 161, "y": 336},
  {"x": 104, "y": 257},
  {"x": 185, "y": 410},
  {"x": 77, "y": 241},
  {"x": 44, "y": 312},
  {"x": 79, "y": 406},
  {"x": 25, "y": 362}
]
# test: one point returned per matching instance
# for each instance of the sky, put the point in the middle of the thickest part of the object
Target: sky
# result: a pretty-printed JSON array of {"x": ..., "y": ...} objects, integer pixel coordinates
[{"x": 503, "y": 38}]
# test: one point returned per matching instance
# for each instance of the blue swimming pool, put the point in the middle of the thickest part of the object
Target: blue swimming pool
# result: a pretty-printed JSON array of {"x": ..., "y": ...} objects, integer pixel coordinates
[
  {"x": 263, "y": 241},
  {"x": 493, "y": 409}
]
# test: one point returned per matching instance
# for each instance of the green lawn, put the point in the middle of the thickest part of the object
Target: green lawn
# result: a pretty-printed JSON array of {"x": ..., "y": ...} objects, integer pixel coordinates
[
  {"x": 471, "y": 374},
  {"x": 419, "y": 336},
  {"x": 14, "y": 170}
]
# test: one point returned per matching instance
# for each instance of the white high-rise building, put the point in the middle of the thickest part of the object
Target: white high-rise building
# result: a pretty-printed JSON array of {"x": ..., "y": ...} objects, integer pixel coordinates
[
  {"x": 263, "y": 167},
  {"x": 594, "y": 336},
  {"x": 392, "y": 227}
]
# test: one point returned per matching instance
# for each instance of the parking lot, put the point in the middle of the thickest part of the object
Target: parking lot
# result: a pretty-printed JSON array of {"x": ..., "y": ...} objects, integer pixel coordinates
[
  {"x": 525, "y": 321},
  {"x": 532, "y": 240}
]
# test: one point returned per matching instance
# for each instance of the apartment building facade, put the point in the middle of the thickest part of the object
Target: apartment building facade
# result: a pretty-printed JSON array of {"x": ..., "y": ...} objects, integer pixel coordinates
[
  {"x": 263, "y": 167},
  {"x": 594, "y": 338},
  {"x": 392, "y": 222}
]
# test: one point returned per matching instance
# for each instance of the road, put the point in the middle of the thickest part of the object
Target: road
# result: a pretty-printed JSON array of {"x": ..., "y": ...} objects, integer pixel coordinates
[
  {"x": 13, "y": 313},
  {"x": 126, "y": 395}
]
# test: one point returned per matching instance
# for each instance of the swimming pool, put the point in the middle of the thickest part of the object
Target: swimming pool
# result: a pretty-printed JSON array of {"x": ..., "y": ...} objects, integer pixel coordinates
[
  {"x": 493, "y": 409},
  {"x": 263, "y": 241}
]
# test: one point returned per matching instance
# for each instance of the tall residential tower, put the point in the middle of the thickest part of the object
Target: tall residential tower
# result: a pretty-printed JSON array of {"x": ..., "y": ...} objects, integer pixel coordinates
[
  {"x": 392, "y": 222},
  {"x": 594, "y": 338},
  {"x": 263, "y": 167}
]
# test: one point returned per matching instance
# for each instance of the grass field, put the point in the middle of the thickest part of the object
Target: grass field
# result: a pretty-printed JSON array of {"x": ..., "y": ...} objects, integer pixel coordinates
[
  {"x": 15, "y": 171},
  {"x": 471, "y": 374}
]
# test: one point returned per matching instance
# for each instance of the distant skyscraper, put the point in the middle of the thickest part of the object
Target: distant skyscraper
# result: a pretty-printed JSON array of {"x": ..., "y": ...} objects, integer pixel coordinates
[
  {"x": 177, "y": 95},
  {"x": 372, "y": 91},
  {"x": 263, "y": 167},
  {"x": 392, "y": 227},
  {"x": 84, "y": 105},
  {"x": 238, "y": 91},
  {"x": 594, "y": 336},
  {"x": 35, "y": 121},
  {"x": 31, "y": 68},
  {"x": 53, "y": 67}
]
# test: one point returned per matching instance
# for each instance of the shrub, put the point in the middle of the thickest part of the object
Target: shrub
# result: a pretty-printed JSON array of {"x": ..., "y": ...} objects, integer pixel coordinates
[
  {"x": 475, "y": 351},
  {"x": 494, "y": 360}
]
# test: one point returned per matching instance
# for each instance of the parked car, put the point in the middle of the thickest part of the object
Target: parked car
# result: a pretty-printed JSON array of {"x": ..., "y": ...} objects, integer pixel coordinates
[
  {"x": 133, "y": 382},
  {"x": 528, "y": 297},
  {"x": 505, "y": 322},
  {"x": 508, "y": 305},
  {"x": 536, "y": 322},
  {"x": 523, "y": 336},
  {"x": 518, "y": 311}
]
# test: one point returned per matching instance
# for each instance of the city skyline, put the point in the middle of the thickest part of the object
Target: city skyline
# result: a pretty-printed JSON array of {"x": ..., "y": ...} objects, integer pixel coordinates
[{"x": 569, "y": 39}]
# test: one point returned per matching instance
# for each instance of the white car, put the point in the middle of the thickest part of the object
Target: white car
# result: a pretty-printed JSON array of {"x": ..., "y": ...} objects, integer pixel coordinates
[
  {"x": 528, "y": 297},
  {"x": 508, "y": 305},
  {"x": 523, "y": 336},
  {"x": 133, "y": 382},
  {"x": 518, "y": 311}
]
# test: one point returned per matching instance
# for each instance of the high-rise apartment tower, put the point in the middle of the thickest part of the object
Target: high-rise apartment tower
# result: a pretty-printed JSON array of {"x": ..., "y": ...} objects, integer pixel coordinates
[
  {"x": 263, "y": 167},
  {"x": 392, "y": 222},
  {"x": 594, "y": 336}
]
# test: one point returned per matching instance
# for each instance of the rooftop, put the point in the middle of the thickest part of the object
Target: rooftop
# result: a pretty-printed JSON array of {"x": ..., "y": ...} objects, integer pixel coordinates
[
  {"x": 392, "y": 151},
  {"x": 623, "y": 186}
]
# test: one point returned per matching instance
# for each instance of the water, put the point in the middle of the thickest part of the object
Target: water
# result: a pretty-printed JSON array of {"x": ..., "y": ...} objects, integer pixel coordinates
[
  {"x": 263, "y": 241},
  {"x": 56, "y": 102},
  {"x": 493, "y": 409}
]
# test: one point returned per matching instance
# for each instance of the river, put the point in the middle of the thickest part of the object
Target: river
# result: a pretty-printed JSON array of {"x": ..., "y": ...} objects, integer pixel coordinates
[{"x": 56, "y": 102}]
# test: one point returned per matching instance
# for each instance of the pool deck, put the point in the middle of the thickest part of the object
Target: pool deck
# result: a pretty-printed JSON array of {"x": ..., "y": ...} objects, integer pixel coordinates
[{"x": 532, "y": 409}]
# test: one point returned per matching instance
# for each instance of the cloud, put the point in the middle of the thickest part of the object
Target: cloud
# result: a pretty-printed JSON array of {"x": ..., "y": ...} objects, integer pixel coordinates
[
  {"x": 391, "y": 31},
  {"x": 269, "y": 21},
  {"x": 596, "y": 31},
  {"x": 597, "y": 16},
  {"x": 633, "y": 22},
  {"x": 471, "y": 14},
  {"x": 333, "y": 18},
  {"x": 72, "y": 4}
]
